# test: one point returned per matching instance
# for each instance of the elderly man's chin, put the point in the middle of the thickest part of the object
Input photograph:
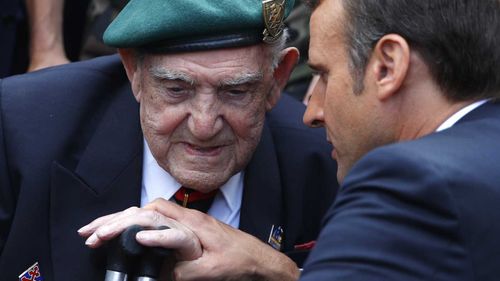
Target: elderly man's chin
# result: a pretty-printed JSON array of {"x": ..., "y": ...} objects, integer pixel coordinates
[{"x": 202, "y": 180}]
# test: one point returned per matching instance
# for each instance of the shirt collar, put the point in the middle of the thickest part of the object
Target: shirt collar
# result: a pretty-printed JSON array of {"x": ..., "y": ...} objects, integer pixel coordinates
[
  {"x": 158, "y": 183},
  {"x": 460, "y": 114},
  {"x": 232, "y": 191}
]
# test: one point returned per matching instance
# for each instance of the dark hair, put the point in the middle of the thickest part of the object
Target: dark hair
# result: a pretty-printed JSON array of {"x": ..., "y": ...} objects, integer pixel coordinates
[{"x": 459, "y": 40}]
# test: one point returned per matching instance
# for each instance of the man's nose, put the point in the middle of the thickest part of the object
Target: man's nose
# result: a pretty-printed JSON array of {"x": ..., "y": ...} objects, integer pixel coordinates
[
  {"x": 205, "y": 120},
  {"x": 314, "y": 115}
]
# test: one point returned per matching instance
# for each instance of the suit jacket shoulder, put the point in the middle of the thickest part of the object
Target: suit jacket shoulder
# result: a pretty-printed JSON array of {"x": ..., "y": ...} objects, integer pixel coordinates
[
  {"x": 68, "y": 155},
  {"x": 419, "y": 210}
]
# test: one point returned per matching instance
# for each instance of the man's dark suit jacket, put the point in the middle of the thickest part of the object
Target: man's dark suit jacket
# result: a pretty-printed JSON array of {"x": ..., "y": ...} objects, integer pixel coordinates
[
  {"x": 71, "y": 150},
  {"x": 427, "y": 209}
]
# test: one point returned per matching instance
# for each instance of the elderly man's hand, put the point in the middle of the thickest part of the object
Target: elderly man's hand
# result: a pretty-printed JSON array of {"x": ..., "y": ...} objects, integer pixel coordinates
[
  {"x": 228, "y": 253},
  {"x": 177, "y": 237}
]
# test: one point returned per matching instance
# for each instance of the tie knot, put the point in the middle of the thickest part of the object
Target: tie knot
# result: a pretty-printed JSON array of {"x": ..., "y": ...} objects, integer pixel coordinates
[{"x": 193, "y": 199}]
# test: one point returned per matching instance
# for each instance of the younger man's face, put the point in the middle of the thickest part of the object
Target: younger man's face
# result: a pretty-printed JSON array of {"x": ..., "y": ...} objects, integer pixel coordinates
[{"x": 352, "y": 120}]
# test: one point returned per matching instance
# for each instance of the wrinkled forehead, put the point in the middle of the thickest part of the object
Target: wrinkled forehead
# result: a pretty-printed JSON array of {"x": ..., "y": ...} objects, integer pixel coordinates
[{"x": 235, "y": 66}]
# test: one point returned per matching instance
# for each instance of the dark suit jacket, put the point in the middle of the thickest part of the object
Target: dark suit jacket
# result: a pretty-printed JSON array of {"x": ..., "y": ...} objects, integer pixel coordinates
[
  {"x": 428, "y": 209},
  {"x": 71, "y": 150}
]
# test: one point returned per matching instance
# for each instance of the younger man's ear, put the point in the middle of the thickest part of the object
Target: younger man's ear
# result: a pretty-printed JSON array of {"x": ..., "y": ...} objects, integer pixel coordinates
[
  {"x": 391, "y": 61},
  {"x": 130, "y": 62},
  {"x": 288, "y": 60}
]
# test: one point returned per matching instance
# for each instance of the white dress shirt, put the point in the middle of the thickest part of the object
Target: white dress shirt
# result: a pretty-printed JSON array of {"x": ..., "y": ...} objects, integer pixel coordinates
[
  {"x": 158, "y": 183},
  {"x": 459, "y": 114}
]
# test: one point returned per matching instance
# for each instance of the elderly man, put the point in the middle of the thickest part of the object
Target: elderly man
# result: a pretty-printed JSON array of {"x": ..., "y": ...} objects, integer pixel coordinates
[
  {"x": 195, "y": 123},
  {"x": 407, "y": 93}
]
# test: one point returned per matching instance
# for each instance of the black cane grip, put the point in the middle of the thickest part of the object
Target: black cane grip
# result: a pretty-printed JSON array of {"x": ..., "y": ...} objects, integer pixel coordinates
[
  {"x": 121, "y": 249},
  {"x": 117, "y": 259},
  {"x": 150, "y": 264},
  {"x": 125, "y": 249},
  {"x": 131, "y": 247},
  {"x": 128, "y": 243}
]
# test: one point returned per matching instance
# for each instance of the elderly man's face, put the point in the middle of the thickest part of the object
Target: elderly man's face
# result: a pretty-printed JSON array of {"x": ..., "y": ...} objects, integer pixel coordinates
[{"x": 202, "y": 113}]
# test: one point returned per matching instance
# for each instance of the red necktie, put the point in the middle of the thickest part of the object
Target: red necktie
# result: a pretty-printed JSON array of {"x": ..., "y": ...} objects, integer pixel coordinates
[{"x": 193, "y": 199}]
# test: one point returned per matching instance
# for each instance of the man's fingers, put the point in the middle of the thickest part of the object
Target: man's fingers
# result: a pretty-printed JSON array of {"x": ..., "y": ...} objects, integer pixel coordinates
[
  {"x": 119, "y": 223},
  {"x": 159, "y": 213},
  {"x": 178, "y": 237},
  {"x": 104, "y": 229},
  {"x": 167, "y": 208},
  {"x": 90, "y": 228},
  {"x": 183, "y": 241},
  {"x": 189, "y": 217}
]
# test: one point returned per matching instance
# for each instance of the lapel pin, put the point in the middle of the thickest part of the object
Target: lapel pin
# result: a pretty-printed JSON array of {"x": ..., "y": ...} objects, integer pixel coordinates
[
  {"x": 31, "y": 274},
  {"x": 275, "y": 237}
]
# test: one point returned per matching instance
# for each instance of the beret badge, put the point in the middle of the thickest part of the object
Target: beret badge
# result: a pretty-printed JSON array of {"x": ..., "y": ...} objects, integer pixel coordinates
[{"x": 274, "y": 14}]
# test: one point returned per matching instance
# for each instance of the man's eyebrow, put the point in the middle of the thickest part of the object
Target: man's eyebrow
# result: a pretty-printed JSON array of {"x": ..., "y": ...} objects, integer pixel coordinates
[
  {"x": 171, "y": 74},
  {"x": 242, "y": 78}
]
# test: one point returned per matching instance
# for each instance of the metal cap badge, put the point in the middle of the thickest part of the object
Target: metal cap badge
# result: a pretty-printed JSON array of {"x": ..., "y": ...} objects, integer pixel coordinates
[{"x": 274, "y": 14}]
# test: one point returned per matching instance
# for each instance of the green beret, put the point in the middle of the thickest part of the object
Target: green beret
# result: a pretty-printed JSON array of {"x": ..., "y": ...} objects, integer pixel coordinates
[{"x": 190, "y": 25}]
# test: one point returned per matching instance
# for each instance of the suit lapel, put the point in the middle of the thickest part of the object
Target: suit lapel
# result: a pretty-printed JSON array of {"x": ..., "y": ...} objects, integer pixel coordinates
[
  {"x": 106, "y": 179},
  {"x": 261, "y": 206}
]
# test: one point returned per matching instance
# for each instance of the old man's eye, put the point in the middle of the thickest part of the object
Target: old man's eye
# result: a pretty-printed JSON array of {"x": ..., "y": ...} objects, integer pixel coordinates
[
  {"x": 177, "y": 91},
  {"x": 235, "y": 92}
]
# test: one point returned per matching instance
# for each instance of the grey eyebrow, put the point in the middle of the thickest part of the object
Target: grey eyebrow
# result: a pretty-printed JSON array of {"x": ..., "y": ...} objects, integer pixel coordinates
[
  {"x": 242, "y": 78},
  {"x": 171, "y": 74}
]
